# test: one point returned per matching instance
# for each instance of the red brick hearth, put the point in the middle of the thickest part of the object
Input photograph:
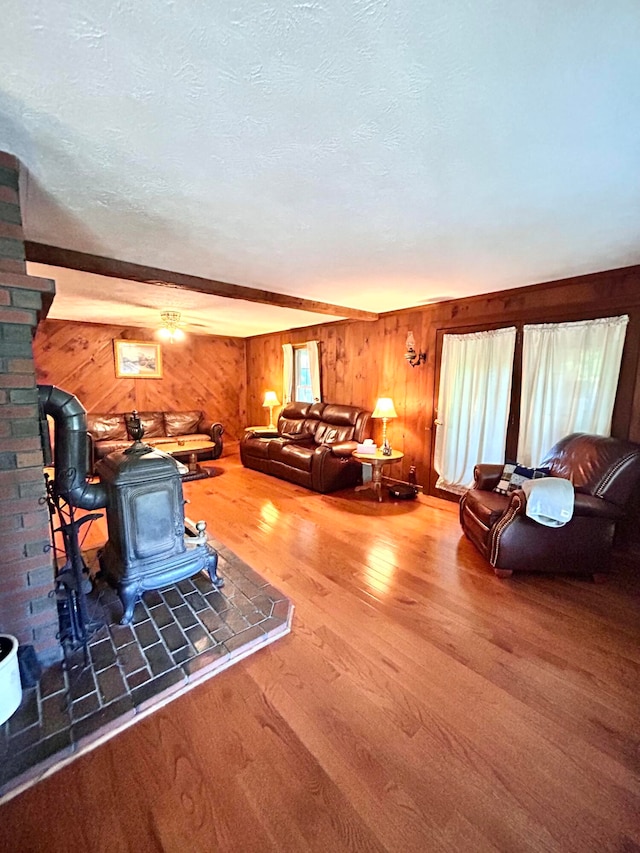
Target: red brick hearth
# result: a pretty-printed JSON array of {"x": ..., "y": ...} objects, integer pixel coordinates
[{"x": 26, "y": 574}]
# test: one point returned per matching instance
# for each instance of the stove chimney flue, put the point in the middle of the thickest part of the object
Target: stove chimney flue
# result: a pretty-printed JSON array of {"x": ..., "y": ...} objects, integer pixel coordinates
[{"x": 71, "y": 448}]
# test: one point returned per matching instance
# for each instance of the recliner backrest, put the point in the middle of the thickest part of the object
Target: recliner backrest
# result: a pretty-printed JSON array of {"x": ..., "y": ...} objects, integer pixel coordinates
[
  {"x": 293, "y": 418},
  {"x": 342, "y": 423},
  {"x": 326, "y": 423},
  {"x": 597, "y": 465}
]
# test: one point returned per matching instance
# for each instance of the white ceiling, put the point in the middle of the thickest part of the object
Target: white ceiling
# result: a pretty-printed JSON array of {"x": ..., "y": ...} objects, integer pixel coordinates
[{"x": 371, "y": 153}]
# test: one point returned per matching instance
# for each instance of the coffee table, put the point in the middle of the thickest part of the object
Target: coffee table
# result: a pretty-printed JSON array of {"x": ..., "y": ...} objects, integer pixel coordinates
[
  {"x": 187, "y": 451},
  {"x": 377, "y": 461}
]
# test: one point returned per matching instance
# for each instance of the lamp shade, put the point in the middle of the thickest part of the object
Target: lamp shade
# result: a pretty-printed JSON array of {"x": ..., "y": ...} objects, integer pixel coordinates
[
  {"x": 384, "y": 408},
  {"x": 270, "y": 399}
]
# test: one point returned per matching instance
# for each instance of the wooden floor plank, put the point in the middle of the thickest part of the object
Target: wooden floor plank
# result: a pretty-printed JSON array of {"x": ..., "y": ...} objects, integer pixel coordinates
[{"x": 419, "y": 704}]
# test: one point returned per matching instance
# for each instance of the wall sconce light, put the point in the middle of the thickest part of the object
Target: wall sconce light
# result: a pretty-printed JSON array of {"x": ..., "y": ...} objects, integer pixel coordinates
[
  {"x": 270, "y": 401},
  {"x": 385, "y": 409},
  {"x": 170, "y": 331},
  {"x": 414, "y": 358}
]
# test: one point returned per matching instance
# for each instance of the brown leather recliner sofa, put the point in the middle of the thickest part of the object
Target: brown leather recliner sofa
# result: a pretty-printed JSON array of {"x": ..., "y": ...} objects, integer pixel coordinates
[
  {"x": 604, "y": 472},
  {"x": 109, "y": 432},
  {"x": 313, "y": 446}
]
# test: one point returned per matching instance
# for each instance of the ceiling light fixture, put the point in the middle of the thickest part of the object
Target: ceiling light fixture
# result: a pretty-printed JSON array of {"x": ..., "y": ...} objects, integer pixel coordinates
[{"x": 170, "y": 331}]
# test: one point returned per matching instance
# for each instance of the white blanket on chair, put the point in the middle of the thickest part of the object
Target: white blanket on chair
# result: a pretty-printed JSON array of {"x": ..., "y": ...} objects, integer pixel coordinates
[{"x": 549, "y": 500}]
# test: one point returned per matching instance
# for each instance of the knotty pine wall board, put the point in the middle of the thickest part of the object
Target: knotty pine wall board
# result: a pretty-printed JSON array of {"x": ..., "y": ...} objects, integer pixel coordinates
[{"x": 202, "y": 372}]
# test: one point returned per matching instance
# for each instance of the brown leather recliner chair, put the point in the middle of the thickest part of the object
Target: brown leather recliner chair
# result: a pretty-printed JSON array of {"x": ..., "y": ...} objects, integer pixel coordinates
[
  {"x": 313, "y": 446},
  {"x": 603, "y": 471}
]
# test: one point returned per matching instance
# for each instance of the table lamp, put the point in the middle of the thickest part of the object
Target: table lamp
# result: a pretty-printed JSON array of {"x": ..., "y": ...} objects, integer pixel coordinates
[
  {"x": 270, "y": 401},
  {"x": 385, "y": 409}
]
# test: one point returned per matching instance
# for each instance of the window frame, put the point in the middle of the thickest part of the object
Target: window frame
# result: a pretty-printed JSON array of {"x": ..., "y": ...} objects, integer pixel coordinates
[{"x": 297, "y": 350}]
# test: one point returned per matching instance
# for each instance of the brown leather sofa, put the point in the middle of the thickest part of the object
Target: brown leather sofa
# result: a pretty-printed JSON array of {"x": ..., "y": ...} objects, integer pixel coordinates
[
  {"x": 313, "y": 446},
  {"x": 604, "y": 472},
  {"x": 109, "y": 432}
]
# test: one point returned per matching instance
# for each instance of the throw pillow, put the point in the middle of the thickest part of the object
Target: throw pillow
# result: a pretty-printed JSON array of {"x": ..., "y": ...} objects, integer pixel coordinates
[{"x": 514, "y": 475}]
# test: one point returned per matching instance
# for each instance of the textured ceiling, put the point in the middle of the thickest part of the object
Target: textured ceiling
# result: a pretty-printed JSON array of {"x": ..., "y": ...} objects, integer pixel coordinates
[{"x": 368, "y": 153}]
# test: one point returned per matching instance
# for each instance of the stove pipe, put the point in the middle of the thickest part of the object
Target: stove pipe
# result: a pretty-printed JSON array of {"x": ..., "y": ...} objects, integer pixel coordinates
[{"x": 71, "y": 448}]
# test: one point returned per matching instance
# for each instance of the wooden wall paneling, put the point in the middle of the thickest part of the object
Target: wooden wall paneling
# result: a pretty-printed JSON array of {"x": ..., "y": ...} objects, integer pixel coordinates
[
  {"x": 351, "y": 354},
  {"x": 203, "y": 372},
  {"x": 264, "y": 372},
  {"x": 429, "y": 389},
  {"x": 350, "y": 344},
  {"x": 399, "y": 380},
  {"x": 415, "y": 399},
  {"x": 339, "y": 373},
  {"x": 78, "y": 357}
]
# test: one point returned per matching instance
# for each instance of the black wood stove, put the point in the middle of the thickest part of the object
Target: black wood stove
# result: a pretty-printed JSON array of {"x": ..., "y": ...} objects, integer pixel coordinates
[{"x": 147, "y": 546}]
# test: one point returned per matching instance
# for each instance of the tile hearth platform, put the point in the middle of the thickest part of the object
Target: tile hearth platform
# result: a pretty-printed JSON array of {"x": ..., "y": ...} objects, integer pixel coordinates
[{"x": 179, "y": 636}]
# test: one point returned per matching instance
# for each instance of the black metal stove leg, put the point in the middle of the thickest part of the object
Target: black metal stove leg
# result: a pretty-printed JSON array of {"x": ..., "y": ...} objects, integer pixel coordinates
[
  {"x": 128, "y": 595},
  {"x": 212, "y": 567}
]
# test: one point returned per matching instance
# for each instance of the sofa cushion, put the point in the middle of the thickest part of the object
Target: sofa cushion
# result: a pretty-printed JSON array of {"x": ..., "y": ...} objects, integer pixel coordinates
[
  {"x": 291, "y": 427},
  {"x": 487, "y": 507},
  {"x": 256, "y": 447},
  {"x": 295, "y": 411},
  {"x": 107, "y": 427},
  {"x": 326, "y": 434},
  {"x": 153, "y": 423},
  {"x": 103, "y": 448},
  {"x": 181, "y": 423},
  {"x": 295, "y": 455}
]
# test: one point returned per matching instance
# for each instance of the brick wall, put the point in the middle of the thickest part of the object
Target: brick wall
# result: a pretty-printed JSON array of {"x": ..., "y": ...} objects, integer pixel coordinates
[{"x": 26, "y": 569}]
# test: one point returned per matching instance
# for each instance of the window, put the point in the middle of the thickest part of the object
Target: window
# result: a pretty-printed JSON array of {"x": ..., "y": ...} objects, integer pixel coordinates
[
  {"x": 302, "y": 375},
  {"x": 301, "y": 372},
  {"x": 569, "y": 380},
  {"x": 473, "y": 404}
]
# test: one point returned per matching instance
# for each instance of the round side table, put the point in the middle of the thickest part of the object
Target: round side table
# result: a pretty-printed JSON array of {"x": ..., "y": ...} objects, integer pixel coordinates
[{"x": 377, "y": 461}]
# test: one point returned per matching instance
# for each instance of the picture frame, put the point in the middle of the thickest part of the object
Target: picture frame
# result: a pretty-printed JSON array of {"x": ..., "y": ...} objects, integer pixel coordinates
[{"x": 137, "y": 359}]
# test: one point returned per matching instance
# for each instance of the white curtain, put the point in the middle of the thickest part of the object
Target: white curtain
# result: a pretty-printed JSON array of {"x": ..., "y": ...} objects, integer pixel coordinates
[
  {"x": 473, "y": 404},
  {"x": 287, "y": 373},
  {"x": 569, "y": 382},
  {"x": 314, "y": 369}
]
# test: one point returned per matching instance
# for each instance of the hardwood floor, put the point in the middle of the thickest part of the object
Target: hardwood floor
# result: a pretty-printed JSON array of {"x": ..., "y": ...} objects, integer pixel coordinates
[{"x": 420, "y": 704}]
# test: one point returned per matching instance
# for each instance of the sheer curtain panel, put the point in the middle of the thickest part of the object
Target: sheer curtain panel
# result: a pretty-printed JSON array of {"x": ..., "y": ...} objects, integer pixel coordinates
[
  {"x": 569, "y": 382},
  {"x": 287, "y": 373},
  {"x": 314, "y": 369},
  {"x": 473, "y": 404}
]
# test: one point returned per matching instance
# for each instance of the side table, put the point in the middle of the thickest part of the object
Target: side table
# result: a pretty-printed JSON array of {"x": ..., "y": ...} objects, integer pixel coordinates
[{"x": 377, "y": 461}]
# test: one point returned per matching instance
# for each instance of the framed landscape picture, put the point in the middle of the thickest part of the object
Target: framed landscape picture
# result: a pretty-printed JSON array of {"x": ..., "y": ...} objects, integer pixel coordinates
[{"x": 141, "y": 359}]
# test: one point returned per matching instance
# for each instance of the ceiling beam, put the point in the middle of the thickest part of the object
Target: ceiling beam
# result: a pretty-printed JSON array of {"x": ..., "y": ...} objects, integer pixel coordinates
[{"x": 53, "y": 256}]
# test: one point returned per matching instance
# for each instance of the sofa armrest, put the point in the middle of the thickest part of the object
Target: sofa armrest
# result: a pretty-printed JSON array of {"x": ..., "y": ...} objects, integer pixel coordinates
[
  {"x": 216, "y": 431},
  {"x": 262, "y": 432},
  {"x": 589, "y": 505},
  {"x": 487, "y": 476},
  {"x": 584, "y": 505},
  {"x": 343, "y": 448}
]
